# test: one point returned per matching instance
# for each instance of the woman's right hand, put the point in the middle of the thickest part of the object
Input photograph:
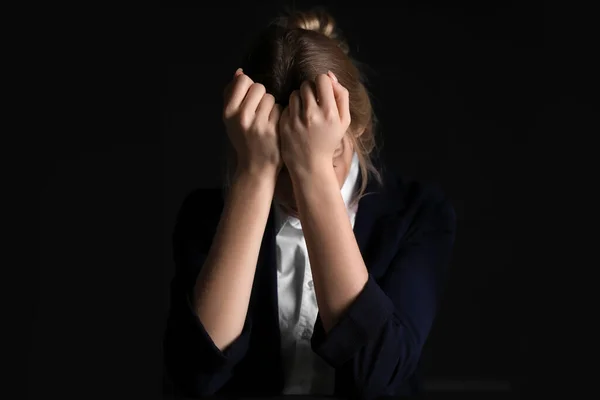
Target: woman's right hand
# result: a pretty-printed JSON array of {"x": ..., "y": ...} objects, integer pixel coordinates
[{"x": 251, "y": 118}]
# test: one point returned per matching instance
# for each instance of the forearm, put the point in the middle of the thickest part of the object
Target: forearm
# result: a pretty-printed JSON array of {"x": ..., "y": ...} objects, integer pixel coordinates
[
  {"x": 223, "y": 288},
  {"x": 339, "y": 272}
]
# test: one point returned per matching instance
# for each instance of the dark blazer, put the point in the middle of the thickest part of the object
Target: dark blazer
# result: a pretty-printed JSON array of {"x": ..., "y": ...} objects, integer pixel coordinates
[{"x": 405, "y": 231}]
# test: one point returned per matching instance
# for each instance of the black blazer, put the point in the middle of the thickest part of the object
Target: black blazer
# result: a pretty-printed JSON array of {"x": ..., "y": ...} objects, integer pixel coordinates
[{"x": 405, "y": 232}]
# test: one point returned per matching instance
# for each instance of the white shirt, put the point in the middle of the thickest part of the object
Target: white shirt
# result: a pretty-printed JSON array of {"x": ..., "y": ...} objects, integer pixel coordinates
[{"x": 304, "y": 371}]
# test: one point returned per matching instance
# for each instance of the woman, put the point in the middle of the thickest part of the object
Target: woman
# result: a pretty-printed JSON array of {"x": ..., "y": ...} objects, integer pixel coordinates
[{"x": 314, "y": 273}]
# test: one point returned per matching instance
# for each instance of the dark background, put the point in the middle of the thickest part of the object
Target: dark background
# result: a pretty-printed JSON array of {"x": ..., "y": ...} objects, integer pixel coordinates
[{"x": 463, "y": 99}]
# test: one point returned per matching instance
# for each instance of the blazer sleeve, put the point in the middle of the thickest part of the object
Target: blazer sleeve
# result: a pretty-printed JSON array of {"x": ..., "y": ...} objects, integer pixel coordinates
[
  {"x": 377, "y": 344},
  {"x": 194, "y": 364}
]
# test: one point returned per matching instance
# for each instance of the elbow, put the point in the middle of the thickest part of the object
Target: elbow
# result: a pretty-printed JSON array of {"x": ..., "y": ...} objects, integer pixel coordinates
[
  {"x": 189, "y": 378},
  {"x": 389, "y": 369}
]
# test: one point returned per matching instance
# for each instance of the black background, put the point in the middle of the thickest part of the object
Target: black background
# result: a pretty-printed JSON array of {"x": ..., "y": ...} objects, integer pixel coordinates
[{"x": 463, "y": 98}]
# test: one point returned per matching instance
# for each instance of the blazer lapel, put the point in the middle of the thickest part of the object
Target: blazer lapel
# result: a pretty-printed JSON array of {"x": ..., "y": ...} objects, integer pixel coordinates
[{"x": 370, "y": 224}]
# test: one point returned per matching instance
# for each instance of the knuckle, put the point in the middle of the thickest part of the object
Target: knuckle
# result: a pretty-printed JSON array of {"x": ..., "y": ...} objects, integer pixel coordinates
[
  {"x": 245, "y": 120},
  {"x": 226, "y": 114},
  {"x": 312, "y": 117},
  {"x": 269, "y": 99},
  {"x": 230, "y": 113},
  {"x": 330, "y": 114},
  {"x": 240, "y": 86},
  {"x": 244, "y": 80},
  {"x": 259, "y": 87}
]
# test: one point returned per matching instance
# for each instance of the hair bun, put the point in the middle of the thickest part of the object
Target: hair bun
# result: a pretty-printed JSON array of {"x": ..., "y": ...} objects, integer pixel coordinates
[{"x": 317, "y": 20}]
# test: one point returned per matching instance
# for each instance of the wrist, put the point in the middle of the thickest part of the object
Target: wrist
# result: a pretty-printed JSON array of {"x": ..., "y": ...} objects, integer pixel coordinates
[
  {"x": 317, "y": 190},
  {"x": 262, "y": 171},
  {"x": 319, "y": 175},
  {"x": 260, "y": 177}
]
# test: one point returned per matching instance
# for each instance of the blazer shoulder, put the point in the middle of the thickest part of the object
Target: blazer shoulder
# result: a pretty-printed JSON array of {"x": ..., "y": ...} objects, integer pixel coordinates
[
  {"x": 415, "y": 192},
  {"x": 424, "y": 203}
]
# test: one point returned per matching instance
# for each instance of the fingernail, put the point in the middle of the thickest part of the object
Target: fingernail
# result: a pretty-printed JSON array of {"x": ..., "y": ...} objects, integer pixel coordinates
[
  {"x": 238, "y": 71},
  {"x": 332, "y": 76}
]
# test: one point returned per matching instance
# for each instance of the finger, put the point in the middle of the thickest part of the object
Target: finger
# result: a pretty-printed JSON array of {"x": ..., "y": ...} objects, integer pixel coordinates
[
  {"x": 308, "y": 94},
  {"x": 325, "y": 92},
  {"x": 265, "y": 105},
  {"x": 253, "y": 97},
  {"x": 229, "y": 86},
  {"x": 239, "y": 88},
  {"x": 276, "y": 113},
  {"x": 283, "y": 116},
  {"x": 342, "y": 98},
  {"x": 295, "y": 104}
]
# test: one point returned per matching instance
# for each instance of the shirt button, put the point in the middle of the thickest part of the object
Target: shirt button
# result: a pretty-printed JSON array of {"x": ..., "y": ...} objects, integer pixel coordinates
[
  {"x": 306, "y": 335},
  {"x": 311, "y": 285}
]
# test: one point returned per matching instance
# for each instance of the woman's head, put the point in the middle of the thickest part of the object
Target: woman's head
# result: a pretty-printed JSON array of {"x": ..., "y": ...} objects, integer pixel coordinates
[{"x": 297, "y": 47}]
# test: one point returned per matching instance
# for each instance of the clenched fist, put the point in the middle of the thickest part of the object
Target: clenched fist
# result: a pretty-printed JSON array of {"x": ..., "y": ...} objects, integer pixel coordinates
[
  {"x": 314, "y": 124},
  {"x": 251, "y": 119}
]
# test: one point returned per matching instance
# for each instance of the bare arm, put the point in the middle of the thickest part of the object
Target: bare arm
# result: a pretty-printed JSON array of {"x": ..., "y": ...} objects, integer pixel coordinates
[
  {"x": 223, "y": 287},
  {"x": 338, "y": 269},
  {"x": 312, "y": 127}
]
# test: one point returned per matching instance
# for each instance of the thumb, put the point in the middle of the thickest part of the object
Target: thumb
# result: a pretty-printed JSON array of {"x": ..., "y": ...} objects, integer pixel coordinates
[{"x": 332, "y": 76}]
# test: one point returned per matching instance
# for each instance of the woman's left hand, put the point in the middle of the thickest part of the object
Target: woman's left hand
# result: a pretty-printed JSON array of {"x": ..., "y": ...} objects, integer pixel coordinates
[{"x": 313, "y": 125}]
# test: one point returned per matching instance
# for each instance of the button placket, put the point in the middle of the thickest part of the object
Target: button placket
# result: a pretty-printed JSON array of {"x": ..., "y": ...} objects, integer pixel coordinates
[{"x": 306, "y": 334}]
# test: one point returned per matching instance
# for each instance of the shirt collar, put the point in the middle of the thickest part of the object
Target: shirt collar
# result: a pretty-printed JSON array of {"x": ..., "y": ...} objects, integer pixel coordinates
[{"x": 348, "y": 191}]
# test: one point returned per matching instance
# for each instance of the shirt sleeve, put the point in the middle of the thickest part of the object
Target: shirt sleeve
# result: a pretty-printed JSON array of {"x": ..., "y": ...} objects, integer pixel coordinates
[
  {"x": 194, "y": 364},
  {"x": 377, "y": 344}
]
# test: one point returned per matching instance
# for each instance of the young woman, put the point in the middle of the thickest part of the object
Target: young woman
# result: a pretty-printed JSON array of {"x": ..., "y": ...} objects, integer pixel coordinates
[{"x": 314, "y": 273}]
